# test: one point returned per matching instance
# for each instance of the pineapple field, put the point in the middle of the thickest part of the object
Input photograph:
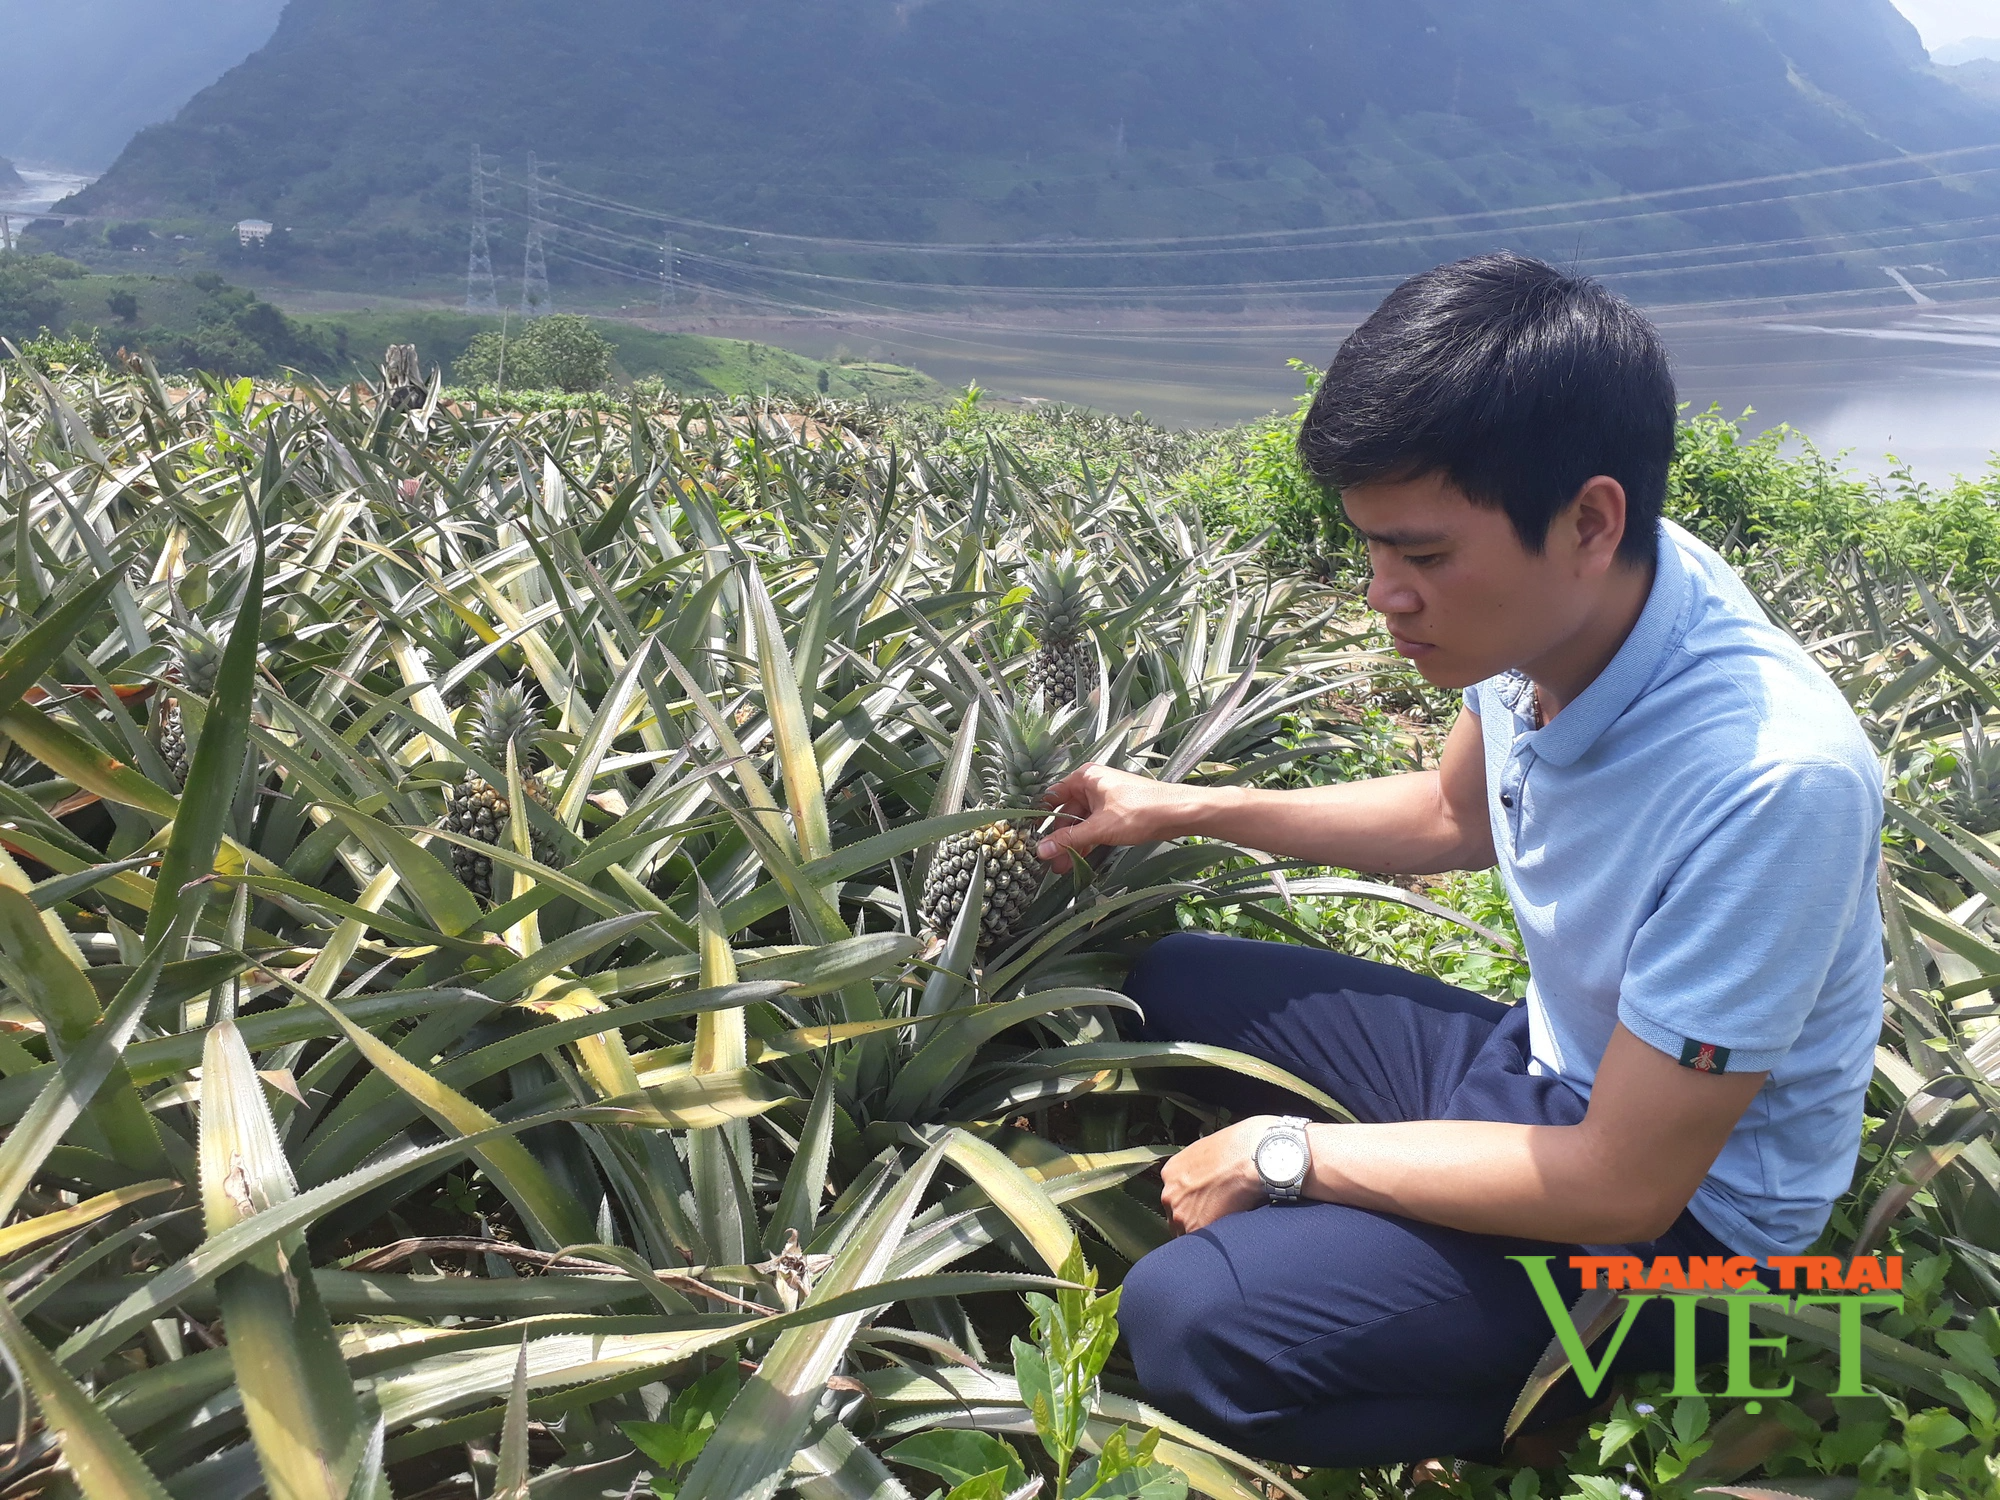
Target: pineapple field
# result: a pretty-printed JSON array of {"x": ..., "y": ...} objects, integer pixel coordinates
[{"x": 524, "y": 974}]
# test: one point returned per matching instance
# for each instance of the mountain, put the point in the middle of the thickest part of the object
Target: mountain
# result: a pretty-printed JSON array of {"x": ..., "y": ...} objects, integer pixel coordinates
[
  {"x": 1065, "y": 120},
  {"x": 1972, "y": 49},
  {"x": 9, "y": 178},
  {"x": 1980, "y": 78},
  {"x": 83, "y": 75}
]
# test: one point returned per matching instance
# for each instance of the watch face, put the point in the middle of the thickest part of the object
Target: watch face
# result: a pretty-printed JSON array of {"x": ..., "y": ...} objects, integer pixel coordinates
[{"x": 1282, "y": 1158}]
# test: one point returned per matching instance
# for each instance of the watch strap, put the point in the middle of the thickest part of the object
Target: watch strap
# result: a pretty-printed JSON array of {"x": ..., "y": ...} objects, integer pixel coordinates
[{"x": 1287, "y": 1192}]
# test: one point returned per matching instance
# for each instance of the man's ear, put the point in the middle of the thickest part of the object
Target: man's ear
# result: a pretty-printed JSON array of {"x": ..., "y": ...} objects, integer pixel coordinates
[{"x": 1596, "y": 518}]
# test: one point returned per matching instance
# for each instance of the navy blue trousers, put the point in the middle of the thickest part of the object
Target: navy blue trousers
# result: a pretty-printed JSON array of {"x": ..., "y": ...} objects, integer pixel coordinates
[{"x": 1330, "y": 1336}]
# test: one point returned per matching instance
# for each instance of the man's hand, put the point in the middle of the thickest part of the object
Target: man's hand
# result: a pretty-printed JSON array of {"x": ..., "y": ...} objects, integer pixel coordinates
[
  {"x": 1114, "y": 807},
  {"x": 1414, "y": 824},
  {"x": 1215, "y": 1176},
  {"x": 1622, "y": 1175}
]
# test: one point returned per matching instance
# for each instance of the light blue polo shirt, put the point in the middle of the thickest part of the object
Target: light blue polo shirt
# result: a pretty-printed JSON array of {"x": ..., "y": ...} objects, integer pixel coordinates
[{"x": 1691, "y": 849}]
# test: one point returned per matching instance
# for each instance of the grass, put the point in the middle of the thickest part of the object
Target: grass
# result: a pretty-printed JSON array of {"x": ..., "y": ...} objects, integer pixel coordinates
[
  {"x": 682, "y": 362},
  {"x": 348, "y": 346},
  {"x": 164, "y": 302}
]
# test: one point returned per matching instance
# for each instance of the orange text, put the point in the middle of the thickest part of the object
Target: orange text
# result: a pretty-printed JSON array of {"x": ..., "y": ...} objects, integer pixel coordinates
[{"x": 1699, "y": 1273}]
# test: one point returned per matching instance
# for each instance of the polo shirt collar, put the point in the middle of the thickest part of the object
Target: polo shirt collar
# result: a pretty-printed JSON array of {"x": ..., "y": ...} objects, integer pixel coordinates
[{"x": 1598, "y": 706}]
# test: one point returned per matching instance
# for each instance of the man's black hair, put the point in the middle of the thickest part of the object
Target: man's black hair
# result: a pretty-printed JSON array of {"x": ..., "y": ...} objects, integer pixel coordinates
[{"x": 1512, "y": 380}]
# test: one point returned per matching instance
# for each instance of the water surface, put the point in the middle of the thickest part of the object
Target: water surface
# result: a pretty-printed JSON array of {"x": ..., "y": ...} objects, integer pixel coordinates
[
  {"x": 1916, "y": 386},
  {"x": 41, "y": 189}
]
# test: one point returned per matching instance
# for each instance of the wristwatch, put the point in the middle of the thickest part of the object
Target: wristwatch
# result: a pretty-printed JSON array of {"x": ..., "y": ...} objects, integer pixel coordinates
[{"x": 1283, "y": 1158}]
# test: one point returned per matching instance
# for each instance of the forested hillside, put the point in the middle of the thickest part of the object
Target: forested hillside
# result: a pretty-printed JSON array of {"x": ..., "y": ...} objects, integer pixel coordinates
[{"x": 988, "y": 120}]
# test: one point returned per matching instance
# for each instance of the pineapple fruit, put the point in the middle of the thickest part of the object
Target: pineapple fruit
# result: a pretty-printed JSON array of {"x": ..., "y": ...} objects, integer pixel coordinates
[
  {"x": 198, "y": 663},
  {"x": 1058, "y": 613},
  {"x": 479, "y": 809},
  {"x": 1027, "y": 756}
]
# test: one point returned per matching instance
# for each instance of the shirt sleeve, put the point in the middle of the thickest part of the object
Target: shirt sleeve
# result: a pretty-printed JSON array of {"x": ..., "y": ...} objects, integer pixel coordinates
[{"x": 1725, "y": 972}]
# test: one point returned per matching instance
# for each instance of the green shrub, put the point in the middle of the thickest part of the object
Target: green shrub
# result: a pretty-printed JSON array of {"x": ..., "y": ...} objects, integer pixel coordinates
[
  {"x": 28, "y": 296},
  {"x": 75, "y": 352},
  {"x": 558, "y": 353},
  {"x": 1740, "y": 491},
  {"x": 1777, "y": 490},
  {"x": 1255, "y": 482},
  {"x": 482, "y": 363},
  {"x": 1735, "y": 490},
  {"x": 235, "y": 332}
]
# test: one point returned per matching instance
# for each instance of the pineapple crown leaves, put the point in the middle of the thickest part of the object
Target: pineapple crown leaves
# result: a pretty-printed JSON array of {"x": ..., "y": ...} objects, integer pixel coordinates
[
  {"x": 198, "y": 651},
  {"x": 1029, "y": 751},
  {"x": 1973, "y": 794},
  {"x": 446, "y": 627},
  {"x": 504, "y": 713},
  {"x": 1059, "y": 597}
]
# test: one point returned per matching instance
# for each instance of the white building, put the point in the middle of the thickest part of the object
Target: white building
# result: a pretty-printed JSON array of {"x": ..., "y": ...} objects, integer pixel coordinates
[{"x": 253, "y": 231}]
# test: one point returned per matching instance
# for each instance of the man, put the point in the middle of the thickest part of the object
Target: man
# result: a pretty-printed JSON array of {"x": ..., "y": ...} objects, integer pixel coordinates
[{"x": 1686, "y": 818}]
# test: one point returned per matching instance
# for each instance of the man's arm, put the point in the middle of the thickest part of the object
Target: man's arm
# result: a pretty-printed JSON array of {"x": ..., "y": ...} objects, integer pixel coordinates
[
  {"x": 1415, "y": 824},
  {"x": 1623, "y": 1175}
]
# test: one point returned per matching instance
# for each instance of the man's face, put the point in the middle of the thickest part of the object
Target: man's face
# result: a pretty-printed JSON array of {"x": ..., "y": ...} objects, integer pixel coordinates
[{"x": 1463, "y": 599}]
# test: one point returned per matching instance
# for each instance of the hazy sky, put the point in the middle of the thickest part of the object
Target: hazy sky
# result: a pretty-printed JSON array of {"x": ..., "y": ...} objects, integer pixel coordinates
[{"x": 1946, "y": 21}]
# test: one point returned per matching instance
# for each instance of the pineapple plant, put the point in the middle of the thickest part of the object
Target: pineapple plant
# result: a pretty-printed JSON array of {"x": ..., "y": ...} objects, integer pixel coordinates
[
  {"x": 1973, "y": 799},
  {"x": 449, "y": 640},
  {"x": 1058, "y": 613},
  {"x": 1029, "y": 754},
  {"x": 501, "y": 715},
  {"x": 197, "y": 664}
]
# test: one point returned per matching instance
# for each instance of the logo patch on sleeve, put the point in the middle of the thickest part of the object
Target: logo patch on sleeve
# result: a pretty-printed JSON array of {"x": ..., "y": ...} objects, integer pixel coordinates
[{"x": 1704, "y": 1057}]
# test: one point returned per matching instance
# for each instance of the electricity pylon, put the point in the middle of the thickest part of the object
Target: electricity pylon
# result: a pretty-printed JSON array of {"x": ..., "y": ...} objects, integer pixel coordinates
[
  {"x": 480, "y": 293},
  {"x": 535, "y": 300},
  {"x": 669, "y": 293}
]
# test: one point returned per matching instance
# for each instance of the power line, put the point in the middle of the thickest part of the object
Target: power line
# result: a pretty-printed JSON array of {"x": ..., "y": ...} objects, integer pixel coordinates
[
  {"x": 1479, "y": 232},
  {"x": 481, "y": 296},
  {"x": 1226, "y": 243},
  {"x": 535, "y": 299},
  {"x": 1680, "y": 262},
  {"x": 895, "y": 319},
  {"x": 739, "y": 279},
  {"x": 898, "y": 324}
]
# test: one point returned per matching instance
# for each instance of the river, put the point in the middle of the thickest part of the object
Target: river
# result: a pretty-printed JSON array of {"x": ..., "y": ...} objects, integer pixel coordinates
[
  {"x": 1915, "y": 386},
  {"x": 41, "y": 188}
]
